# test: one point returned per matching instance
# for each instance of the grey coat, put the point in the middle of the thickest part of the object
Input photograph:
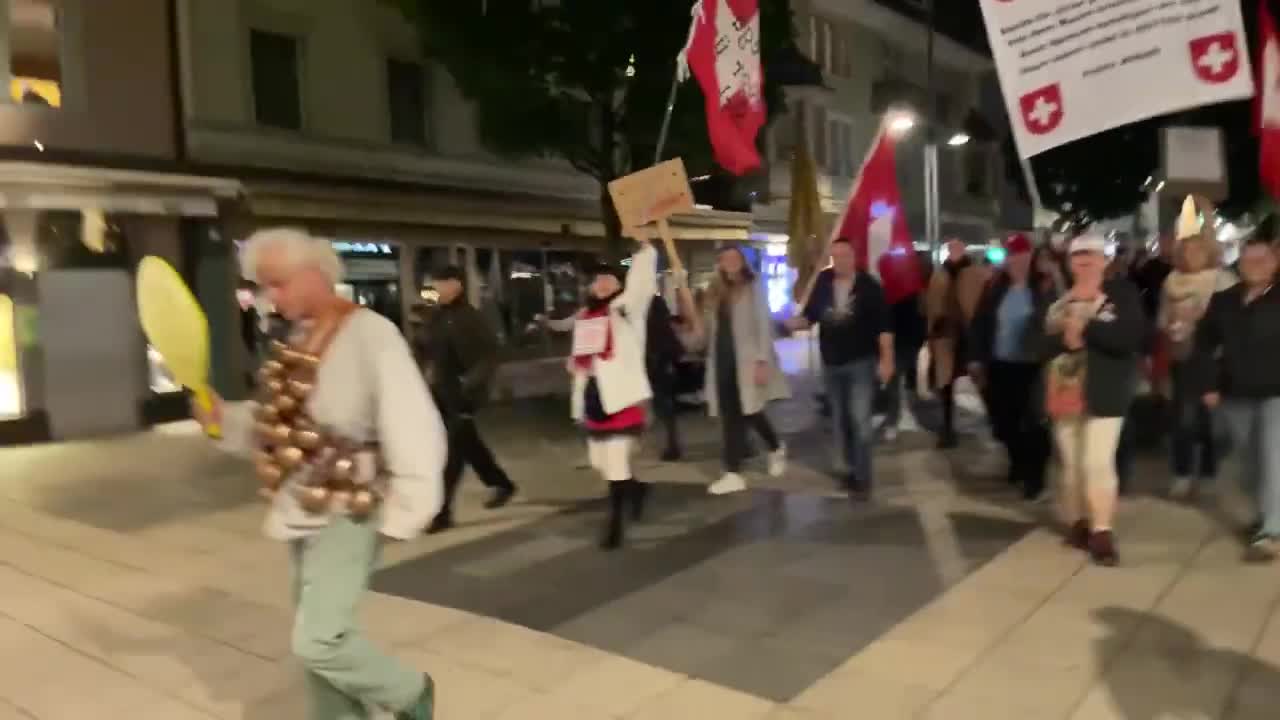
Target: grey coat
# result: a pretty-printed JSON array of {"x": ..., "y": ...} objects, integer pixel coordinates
[{"x": 752, "y": 342}]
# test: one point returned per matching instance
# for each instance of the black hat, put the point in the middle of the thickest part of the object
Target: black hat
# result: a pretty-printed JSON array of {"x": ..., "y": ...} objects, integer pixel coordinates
[
  {"x": 604, "y": 268},
  {"x": 450, "y": 272}
]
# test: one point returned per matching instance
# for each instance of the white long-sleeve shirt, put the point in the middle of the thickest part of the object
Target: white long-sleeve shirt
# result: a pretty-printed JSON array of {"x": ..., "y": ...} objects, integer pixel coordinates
[{"x": 368, "y": 389}]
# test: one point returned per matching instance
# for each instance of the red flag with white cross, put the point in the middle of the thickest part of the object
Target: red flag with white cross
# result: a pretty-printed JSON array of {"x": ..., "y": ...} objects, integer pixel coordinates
[
  {"x": 723, "y": 53},
  {"x": 1267, "y": 103}
]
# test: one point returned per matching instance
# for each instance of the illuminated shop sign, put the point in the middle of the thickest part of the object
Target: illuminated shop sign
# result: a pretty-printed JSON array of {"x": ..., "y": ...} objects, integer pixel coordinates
[
  {"x": 778, "y": 276},
  {"x": 363, "y": 248}
]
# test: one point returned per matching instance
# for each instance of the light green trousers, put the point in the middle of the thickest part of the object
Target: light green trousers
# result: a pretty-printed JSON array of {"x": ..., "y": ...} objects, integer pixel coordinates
[{"x": 346, "y": 676}]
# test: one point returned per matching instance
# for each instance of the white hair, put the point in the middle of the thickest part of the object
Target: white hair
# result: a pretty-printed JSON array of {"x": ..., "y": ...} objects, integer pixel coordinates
[{"x": 301, "y": 248}]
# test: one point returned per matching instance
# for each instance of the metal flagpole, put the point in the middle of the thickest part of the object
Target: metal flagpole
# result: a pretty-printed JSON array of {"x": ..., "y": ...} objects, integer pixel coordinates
[
  {"x": 680, "y": 75},
  {"x": 666, "y": 118},
  {"x": 932, "y": 211}
]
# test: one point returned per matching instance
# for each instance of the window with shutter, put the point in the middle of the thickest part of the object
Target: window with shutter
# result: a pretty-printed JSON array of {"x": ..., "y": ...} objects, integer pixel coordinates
[
  {"x": 277, "y": 94},
  {"x": 407, "y": 102}
]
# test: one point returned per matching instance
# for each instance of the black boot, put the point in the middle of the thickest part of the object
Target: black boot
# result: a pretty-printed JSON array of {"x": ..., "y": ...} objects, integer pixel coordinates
[
  {"x": 618, "y": 492},
  {"x": 639, "y": 496}
]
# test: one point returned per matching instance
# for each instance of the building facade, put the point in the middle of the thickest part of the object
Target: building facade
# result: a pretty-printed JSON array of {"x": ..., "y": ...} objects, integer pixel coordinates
[
  {"x": 327, "y": 112},
  {"x": 873, "y": 61},
  {"x": 89, "y": 184}
]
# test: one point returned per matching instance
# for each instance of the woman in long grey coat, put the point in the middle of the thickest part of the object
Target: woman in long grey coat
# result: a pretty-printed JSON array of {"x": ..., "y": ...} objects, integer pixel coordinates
[{"x": 742, "y": 367}]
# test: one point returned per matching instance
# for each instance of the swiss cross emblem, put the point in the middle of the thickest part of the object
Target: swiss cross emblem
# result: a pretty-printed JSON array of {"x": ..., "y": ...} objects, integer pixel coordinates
[
  {"x": 1042, "y": 109},
  {"x": 1215, "y": 58}
]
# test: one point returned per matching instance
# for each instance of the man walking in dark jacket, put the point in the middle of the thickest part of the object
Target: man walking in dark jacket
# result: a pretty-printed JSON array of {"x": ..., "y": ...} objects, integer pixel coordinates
[
  {"x": 1237, "y": 345},
  {"x": 461, "y": 355}
]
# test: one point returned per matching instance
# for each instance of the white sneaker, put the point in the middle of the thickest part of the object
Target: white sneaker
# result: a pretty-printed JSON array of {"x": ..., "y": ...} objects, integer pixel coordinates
[
  {"x": 727, "y": 485},
  {"x": 890, "y": 434},
  {"x": 778, "y": 462},
  {"x": 1181, "y": 488}
]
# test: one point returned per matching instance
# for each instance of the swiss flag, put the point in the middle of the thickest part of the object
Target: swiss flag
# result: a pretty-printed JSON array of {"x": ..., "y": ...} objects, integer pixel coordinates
[
  {"x": 723, "y": 53},
  {"x": 1267, "y": 103},
  {"x": 875, "y": 200}
]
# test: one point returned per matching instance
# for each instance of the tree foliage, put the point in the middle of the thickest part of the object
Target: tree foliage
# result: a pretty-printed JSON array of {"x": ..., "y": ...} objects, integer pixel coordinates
[{"x": 586, "y": 81}]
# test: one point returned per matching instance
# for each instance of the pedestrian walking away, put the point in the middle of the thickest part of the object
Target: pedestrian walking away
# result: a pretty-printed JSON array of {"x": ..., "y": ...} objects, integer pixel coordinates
[
  {"x": 1006, "y": 362},
  {"x": 663, "y": 350},
  {"x": 742, "y": 373},
  {"x": 610, "y": 386},
  {"x": 855, "y": 341},
  {"x": 1093, "y": 335},
  {"x": 950, "y": 303},
  {"x": 460, "y": 351},
  {"x": 1237, "y": 344},
  {"x": 350, "y": 448}
]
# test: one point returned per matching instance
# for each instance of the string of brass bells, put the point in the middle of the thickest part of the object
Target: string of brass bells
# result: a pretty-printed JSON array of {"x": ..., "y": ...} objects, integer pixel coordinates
[{"x": 289, "y": 441}]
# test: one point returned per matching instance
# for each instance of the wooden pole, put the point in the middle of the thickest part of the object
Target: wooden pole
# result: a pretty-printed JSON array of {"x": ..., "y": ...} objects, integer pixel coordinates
[{"x": 803, "y": 298}]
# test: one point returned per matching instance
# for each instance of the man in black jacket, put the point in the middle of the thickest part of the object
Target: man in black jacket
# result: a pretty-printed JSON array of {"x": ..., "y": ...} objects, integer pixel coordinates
[
  {"x": 856, "y": 343},
  {"x": 1237, "y": 347},
  {"x": 461, "y": 354}
]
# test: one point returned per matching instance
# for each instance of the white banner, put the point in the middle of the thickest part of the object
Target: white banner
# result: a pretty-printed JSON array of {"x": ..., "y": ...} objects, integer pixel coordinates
[{"x": 1072, "y": 68}]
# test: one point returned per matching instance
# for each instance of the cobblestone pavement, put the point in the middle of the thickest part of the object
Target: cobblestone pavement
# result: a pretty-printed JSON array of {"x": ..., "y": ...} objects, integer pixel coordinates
[{"x": 136, "y": 585}]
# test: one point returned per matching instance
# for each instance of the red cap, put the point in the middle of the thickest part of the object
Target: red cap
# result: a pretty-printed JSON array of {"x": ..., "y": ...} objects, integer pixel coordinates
[{"x": 1016, "y": 244}]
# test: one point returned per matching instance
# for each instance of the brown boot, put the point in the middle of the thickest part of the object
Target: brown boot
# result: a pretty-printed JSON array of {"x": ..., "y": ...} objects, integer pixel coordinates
[
  {"x": 1102, "y": 548},
  {"x": 1077, "y": 535}
]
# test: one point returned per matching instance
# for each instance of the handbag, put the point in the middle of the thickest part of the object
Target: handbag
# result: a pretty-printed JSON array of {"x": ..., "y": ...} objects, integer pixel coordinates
[{"x": 1064, "y": 387}]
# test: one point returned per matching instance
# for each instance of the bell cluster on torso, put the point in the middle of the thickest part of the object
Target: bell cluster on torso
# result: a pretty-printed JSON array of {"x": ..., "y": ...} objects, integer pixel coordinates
[{"x": 291, "y": 443}]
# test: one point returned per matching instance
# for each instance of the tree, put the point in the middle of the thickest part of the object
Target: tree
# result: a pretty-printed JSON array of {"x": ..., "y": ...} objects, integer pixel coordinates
[{"x": 586, "y": 81}]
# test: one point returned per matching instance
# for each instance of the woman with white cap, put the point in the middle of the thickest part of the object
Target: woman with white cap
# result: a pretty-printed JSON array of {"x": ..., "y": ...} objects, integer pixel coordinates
[{"x": 1093, "y": 335}]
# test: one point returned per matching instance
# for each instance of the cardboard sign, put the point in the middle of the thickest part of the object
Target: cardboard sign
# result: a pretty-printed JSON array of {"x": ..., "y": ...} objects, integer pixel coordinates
[
  {"x": 652, "y": 194},
  {"x": 1073, "y": 68}
]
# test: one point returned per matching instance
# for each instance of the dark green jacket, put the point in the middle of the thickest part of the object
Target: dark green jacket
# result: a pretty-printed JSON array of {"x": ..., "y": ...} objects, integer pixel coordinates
[{"x": 460, "y": 352}]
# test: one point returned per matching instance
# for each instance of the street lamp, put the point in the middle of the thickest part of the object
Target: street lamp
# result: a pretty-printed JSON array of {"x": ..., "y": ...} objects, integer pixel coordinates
[
  {"x": 901, "y": 123},
  {"x": 959, "y": 139}
]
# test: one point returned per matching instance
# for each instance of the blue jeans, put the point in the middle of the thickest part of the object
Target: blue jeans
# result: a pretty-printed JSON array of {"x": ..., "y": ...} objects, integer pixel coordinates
[
  {"x": 1255, "y": 429},
  {"x": 851, "y": 391}
]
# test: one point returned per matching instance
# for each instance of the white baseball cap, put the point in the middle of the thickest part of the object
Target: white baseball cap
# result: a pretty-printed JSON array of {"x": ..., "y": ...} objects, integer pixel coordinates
[{"x": 1089, "y": 243}]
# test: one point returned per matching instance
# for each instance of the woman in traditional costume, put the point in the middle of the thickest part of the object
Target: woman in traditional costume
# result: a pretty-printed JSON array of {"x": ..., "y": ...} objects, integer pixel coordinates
[
  {"x": 610, "y": 385},
  {"x": 350, "y": 449}
]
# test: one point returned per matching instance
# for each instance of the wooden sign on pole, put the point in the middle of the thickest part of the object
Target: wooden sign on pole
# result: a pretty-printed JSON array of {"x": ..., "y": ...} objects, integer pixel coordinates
[{"x": 651, "y": 196}]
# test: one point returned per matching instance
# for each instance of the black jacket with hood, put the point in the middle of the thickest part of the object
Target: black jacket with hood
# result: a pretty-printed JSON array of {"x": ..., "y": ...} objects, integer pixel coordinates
[{"x": 461, "y": 354}]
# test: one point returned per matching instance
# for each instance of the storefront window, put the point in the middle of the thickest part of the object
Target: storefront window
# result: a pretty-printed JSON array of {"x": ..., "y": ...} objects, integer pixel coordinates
[
  {"x": 371, "y": 275},
  {"x": 35, "y": 52},
  {"x": 11, "y": 405}
]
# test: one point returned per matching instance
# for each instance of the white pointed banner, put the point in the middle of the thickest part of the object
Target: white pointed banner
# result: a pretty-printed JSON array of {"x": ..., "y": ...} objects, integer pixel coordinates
[{"x": 1073, "y": 68}]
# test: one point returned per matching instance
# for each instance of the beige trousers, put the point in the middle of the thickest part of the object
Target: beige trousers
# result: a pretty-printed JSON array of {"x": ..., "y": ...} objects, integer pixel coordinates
[{"x": 1088, "y": 482}]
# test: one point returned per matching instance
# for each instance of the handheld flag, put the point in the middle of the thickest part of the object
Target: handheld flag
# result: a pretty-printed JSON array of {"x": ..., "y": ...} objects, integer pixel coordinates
[
  {"x": 875, "y": 197},
  {"x": 805, "y": 223},
  {"x": 1267, "y": 103},
  {"x": 723, "y": 53},
  {"x": 176, "y": 326}
]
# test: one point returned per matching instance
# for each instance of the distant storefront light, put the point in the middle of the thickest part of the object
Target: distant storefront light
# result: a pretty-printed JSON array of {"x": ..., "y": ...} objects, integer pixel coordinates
[
  {"x": 778, "y": 276},
  {"x": 362, "y": 248}
]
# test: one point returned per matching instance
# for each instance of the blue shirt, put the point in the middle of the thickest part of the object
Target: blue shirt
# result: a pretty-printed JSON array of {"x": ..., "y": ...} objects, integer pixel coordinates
[{"x": 1011, "y": 324}]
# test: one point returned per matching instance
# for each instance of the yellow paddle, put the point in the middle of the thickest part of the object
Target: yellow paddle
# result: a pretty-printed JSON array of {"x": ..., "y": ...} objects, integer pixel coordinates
[{"x": 177, "y": 328}]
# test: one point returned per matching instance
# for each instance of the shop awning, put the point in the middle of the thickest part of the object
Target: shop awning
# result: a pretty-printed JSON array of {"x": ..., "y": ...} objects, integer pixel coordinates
[
  {"x": 288, "y": 201},
  {"x": 43, "y": 186}
]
